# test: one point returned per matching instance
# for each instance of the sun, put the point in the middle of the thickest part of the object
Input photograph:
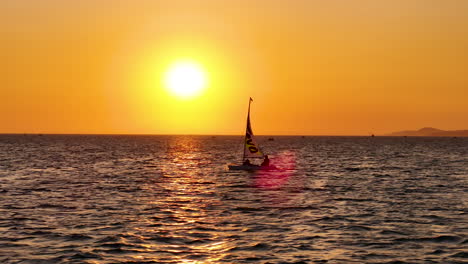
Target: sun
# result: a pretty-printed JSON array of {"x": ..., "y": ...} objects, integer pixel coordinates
[{"x": 185, "y": 79}]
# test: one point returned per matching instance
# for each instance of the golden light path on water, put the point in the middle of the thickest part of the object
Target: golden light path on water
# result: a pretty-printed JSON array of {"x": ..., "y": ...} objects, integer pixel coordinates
[
  {"x": 190, "y": 205},
  {"x": 184, "y": 207}
]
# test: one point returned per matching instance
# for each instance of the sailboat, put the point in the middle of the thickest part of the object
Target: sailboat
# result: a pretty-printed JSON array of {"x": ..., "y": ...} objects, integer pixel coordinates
[{"x": 251, "y": 150}]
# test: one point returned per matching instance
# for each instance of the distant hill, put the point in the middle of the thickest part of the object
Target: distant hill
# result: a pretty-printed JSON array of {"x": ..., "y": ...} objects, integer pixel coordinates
[{"x": 430, "y": 132}]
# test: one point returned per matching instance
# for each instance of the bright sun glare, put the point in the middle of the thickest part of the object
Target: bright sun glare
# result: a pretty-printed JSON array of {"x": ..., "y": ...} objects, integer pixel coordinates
[{"x": 185, "y": 79}]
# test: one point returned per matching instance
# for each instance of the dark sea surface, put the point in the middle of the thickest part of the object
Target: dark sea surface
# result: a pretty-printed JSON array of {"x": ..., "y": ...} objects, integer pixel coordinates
[{"x": 171, "y": 199}]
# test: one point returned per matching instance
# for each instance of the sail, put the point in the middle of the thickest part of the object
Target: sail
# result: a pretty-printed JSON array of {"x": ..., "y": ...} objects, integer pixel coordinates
[{"x": 251, "y": 148}]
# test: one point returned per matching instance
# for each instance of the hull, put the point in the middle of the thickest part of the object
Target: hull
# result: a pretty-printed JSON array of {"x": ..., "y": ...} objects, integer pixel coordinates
[{"x": 250, "y": 167}]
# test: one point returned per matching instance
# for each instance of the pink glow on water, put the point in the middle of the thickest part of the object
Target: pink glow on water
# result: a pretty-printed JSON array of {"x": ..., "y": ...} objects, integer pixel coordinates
[{"x": 285, "y": 164}]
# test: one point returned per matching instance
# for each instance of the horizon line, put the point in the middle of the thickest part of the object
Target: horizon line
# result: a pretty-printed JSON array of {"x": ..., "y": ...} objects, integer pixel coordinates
[{"x": 180, "y": 134}]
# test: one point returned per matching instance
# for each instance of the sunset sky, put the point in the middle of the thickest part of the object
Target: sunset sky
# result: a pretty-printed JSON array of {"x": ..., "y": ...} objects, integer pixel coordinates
[{"x": 326, "y": 67}]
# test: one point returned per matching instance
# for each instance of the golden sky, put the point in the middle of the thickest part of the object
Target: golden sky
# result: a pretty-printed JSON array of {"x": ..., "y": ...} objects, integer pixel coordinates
[{"x": 331, "y": 67}]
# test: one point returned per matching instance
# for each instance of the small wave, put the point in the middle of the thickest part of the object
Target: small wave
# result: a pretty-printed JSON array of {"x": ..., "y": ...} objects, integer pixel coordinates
[
  {"x": 12, "y": 245},
  {"x": 112, "y": 251},
  {"x": 173, "y": 240},
  {"x": 445, "y": 239},
  {"x": 47, "y": 234},
  {"x": 144, "y": 262},
  {"x": 437, "y": 239},
  {"x": 308, "y": 238},
  {"x": 296, "y": 208},
  {"x": 460, "y": 255},
  {"x": 435, "y": 217},
  {"x": 437, "y": 252},
  {"x": 86, "y": 255},
  {"x": 113, "y": 245},
  {"x": 353, "y": 199},
  {"x": 352, "y": 169},
  {"x": 330, "y": 218},
  {"x": 358, "y": 228},
  {"x": 58, "y": 206},
  {"x": 255, "y": 247},
  {"x": 77, "y": 237},
  {"x": 20, "y": 219},
  {"x": 200, "y": 235},
  {"x": 377, "y": 256},
  {"x": 118, "y": 248},
  {"x": 392, "y": 232},
  {"x": 109, "y": 239},
  {"x": 247, "y": 209}
]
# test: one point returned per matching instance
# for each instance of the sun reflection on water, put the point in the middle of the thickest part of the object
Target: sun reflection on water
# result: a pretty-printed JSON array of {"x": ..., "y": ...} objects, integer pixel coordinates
[
  {"x": 183, "y": 220},
  {"x": 199, "y": 216}
]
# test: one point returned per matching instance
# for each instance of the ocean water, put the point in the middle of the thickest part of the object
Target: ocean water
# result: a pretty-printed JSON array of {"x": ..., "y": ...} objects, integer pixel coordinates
[{"x": 170, "y": 199}]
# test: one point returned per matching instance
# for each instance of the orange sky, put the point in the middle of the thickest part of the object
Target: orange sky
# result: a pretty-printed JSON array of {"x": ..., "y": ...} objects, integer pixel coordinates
[{"x": 312, "y": 67}]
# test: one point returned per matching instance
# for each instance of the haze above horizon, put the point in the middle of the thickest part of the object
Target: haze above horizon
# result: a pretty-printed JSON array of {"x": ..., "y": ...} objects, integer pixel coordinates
[{"x": 189, "y": 67}]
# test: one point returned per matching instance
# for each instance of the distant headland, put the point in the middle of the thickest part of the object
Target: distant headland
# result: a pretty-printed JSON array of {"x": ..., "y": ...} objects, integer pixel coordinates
[{"x": 430, "y": 132}]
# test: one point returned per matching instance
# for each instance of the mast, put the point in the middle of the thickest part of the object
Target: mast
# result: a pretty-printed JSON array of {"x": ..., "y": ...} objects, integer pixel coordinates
[{"x": 247, "y": 127}]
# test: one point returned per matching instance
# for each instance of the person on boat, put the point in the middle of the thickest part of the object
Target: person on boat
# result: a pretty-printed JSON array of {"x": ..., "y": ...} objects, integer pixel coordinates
[
  {"x": 266, "y": 161},
  {"x": 247, "y": 162}
]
